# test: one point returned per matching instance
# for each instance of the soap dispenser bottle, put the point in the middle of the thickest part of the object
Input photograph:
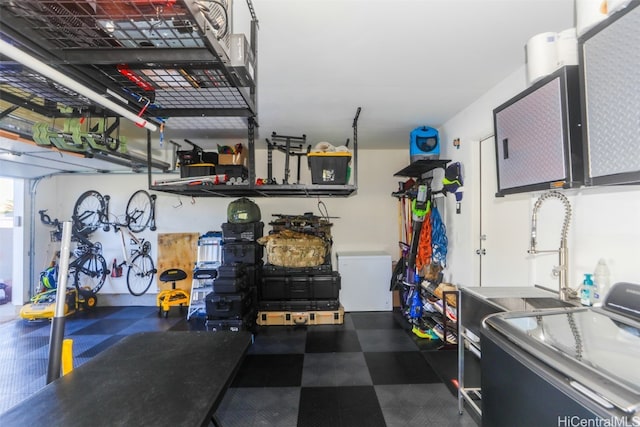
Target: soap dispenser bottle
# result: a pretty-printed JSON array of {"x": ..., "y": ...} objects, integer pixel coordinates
[
  {"x": 586, "y": 290},
  {"x": 601, "y": 276}
]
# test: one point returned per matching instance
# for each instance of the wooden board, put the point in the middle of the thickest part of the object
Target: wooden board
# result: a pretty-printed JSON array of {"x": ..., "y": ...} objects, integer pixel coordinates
[{"x": 177, "y": 250}]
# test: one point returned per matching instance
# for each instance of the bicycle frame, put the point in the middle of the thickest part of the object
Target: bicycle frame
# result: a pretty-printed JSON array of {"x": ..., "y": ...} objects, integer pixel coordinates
[
  {"x": 89, "y": 256},
  {"x": 141, "y": 247},
  {"x": 141, "y": 269}
]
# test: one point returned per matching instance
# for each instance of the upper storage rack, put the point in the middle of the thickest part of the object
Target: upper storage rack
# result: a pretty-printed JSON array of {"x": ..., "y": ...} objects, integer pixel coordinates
[{"x": 156, "y": 58}]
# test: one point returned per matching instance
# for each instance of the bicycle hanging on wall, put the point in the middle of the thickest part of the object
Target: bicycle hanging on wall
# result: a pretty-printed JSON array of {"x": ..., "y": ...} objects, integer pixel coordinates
[
  {"x": 93, "y": 209},
  {"x": 87, "y": 267}
]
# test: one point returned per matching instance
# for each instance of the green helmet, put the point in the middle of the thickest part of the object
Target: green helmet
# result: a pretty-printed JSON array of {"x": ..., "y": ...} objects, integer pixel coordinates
[{"x": 243, "y": 210}]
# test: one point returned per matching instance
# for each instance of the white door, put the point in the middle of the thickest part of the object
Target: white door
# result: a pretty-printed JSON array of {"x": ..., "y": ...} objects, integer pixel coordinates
[{"x": 502, "y": 242}]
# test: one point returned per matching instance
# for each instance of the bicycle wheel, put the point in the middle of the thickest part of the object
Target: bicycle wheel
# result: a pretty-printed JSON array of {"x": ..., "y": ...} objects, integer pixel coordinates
[
  {"x": 139, "y": 211},
  {"x": 140, "y": 274},
  {"x": 89, "y": 212},
  {"x": 91, "y": 272}
]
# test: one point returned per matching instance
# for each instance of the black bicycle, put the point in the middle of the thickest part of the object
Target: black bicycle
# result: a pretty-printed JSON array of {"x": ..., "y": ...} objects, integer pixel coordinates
[
  {"x": 91, "y": 212},
  {"x": 87, "y": 267}
]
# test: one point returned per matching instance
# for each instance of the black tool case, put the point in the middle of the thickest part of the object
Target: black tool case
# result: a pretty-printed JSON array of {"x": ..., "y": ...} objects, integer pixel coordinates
[
  {"x": 245, "y": 323},
  {"x": 254, "y": 273},
  {"x": 242, "y": 232},
  {"x": 300, "y": 287},
  {"x": 242, "y": 252},
  {"x": 232, "y": 270},
  {"x": 299, "y": 305},
  {"x": 227, "y": 305},
  {"x": 276, "y": 270},
  {"x": 224, "y": 285}
]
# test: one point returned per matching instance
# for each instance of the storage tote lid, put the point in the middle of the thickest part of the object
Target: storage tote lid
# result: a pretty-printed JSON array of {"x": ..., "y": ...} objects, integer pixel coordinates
[{"x": 329, "y": 154}]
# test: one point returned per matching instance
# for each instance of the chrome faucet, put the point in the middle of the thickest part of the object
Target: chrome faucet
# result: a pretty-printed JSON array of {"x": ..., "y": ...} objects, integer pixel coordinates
[{"x": 563, "y": 253}]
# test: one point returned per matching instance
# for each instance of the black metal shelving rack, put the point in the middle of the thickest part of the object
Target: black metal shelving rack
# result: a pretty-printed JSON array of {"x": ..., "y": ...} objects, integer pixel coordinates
[
  {"x": 163, "y": 60},
  {"x": 159, "y": 59}
]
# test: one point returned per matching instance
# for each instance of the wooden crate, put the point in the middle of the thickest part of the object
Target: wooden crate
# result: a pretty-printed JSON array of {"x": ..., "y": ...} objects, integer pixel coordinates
[{"x": 301, "y": 318}]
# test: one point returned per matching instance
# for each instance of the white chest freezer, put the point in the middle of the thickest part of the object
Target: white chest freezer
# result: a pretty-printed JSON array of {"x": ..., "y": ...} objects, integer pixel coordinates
[{"x": 365, "y": 278}]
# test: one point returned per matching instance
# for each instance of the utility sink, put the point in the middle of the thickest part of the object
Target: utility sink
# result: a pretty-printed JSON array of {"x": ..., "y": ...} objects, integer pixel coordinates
[
  {"x": 479, "y": 302},
  {"x": 527, "y": 304}
]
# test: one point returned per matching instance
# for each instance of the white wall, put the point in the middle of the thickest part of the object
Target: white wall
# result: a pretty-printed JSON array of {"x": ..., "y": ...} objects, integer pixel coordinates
[
  {"x": 604, "y": 221},
  {"x": 367, "y": 220}
]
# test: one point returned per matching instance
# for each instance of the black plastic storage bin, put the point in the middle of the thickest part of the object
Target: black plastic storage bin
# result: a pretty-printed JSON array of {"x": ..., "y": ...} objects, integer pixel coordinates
[
  {"x": 299, "y": 305},
  {"x": 246, "y": 253},
  {"x": 227, "y": 305},
  {"x": 302, "y": 287},
  {"x": 232, "y": 171},
  {"x": 197, "y": 169},
  {"x": 244, "y": 232},
  {"x": 329, "y": 168}
]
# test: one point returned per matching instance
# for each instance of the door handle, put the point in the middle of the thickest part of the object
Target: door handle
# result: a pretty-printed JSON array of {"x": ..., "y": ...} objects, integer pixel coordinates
[
  {"x": 481, "y": 251},
  {"x": 505, "y": 148}
]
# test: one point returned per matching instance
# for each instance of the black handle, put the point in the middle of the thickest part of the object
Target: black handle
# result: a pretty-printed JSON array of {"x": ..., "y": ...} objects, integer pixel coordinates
[{"x": 505, "y": 148}]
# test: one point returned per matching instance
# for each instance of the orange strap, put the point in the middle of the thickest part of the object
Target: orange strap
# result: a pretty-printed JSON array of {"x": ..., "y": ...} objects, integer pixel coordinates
[{"x": 423, "y": 257}]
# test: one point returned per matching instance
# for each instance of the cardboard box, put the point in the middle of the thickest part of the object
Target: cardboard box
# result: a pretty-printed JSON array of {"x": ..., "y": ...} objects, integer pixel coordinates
[{"x": 233, "y": 159}]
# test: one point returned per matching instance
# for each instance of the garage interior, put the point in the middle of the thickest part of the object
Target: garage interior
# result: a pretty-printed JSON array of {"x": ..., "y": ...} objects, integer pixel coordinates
[{"x": 117, "y": 97}]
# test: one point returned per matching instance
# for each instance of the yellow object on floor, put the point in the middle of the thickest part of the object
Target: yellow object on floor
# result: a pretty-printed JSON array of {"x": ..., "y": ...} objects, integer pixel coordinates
[
  {"x": 172, "y": 297},
  {"x": 67, "y": 356}
]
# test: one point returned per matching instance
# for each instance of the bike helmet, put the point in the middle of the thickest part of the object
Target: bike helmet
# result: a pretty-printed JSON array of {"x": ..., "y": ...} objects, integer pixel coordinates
[{"x": 49, "y": 278}]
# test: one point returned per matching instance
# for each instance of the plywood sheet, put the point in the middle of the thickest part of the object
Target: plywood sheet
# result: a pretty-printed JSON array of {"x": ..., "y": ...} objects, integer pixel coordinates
[{"x": 177, "y": 250}]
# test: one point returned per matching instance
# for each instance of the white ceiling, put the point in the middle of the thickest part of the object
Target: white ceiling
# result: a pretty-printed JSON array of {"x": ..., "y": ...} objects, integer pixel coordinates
[{"x": 407, "y": 63}]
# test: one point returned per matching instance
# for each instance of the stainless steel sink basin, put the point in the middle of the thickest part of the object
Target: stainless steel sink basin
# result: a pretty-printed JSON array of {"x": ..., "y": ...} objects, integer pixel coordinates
[{"x": 526, "y": 304}]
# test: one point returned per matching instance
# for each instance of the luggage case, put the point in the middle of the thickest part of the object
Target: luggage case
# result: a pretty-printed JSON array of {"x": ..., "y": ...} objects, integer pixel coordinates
[
  {"x": 246, "y": 253},
  {"x": 299, "y": 305},
  {"x": 302, "y": 287},
  {"x": 246, "y": 323},
  {"x": 224, "y": 285},
  {"x": 231, "y": 270},
  {"x": 301, "y": 318},
  {"x": 242, "y": 232},
  {"x": 276, "y": 270},
  {"x": 227, "y": 305},
  {"x": 254, "y": 273}
]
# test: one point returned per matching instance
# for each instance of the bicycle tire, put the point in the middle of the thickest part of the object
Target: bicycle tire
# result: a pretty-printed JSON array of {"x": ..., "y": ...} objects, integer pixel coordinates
[
  {"x": 91, "y": 273},
  {"x": 140, "y": 274},
  {"x": 89, "y": 212},
  {"x": 138, "y": 211}
]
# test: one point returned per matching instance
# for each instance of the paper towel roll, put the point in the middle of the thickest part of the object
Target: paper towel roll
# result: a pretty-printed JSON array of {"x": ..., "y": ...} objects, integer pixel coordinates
[
  {"x": 567, "y": 47},
  {"x": 541, "y": 56},
  {"x": 589, "y": 13}
]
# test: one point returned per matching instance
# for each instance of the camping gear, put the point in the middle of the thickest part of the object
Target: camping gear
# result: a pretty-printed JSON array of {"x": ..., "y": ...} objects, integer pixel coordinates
[
  {"x": 243, "y": 210},
  {"x": 292, "y": 249}
]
